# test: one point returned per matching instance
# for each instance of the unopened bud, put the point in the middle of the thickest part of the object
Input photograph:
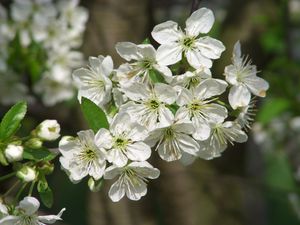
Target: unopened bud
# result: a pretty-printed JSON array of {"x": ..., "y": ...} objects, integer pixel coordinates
[
  {"x": 48, "y": 130},
  {"x": 34, "y": 143},
  {"x": 13, "y": 153},
  {"x": 26, "y": 174},
  {"x": 95, "y": 185}
]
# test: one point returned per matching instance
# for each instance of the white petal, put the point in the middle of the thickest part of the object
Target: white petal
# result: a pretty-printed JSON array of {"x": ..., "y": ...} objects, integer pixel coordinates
[
  {"x": 50, "y": 219},
  {"x": 145, "y": 169},
  {"x": 169, "y": 150},
  {"x": 239, "y": 96},
  {"x": 127, "y": 51},
  {"x": 116, "y": 191},
  {"x": 235, "y": 132},
  {"x": 215, "y": 113},
  {"x": 136, "y": 191},
  {"x": 197, "y": 60},
  {"x": 210, "y": 47},
  {"x": 138, "y": 151},
  {"x": 103, "y": 139},
  {"x": 185, "y": 97},
  {"x": 120, "y": 123},
  {"x": 209, "y": 88},
  {"x": 165, "y": 116},
  {"x": 187, "y": 144},
  {"x": 187, "y": 159},
  {"x": 165, "y": 93},
  {"x": 169, "y": 54},
  {"x": 107, "y": 66},
  {"x": 166, "y": 33},
  {"x": 30, "y": 205},
  {"x": 111, "y": 172},
  {"x": 136, "y": 91},
  {"x": 117, "y": 157},
  {"x": 202, "y": 129},
  {"x": 257, "y": 85},
  {"x": 10, "y": 220},
  {"x": 165, "y": 71},
  {"x": 201, "y": 21},
  {"x": 147, "y": 51}
]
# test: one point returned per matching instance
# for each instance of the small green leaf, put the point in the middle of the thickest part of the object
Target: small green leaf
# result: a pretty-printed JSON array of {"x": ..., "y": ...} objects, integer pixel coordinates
[
  {"x": 94, "y": 115},
  {"x": 173, "y": 108},
  {"x": 3, "y": 160},
  {"x": 46, "y": 196},
  {"x": 95, "y": 185},
  {"x": 146, "y": 41},
  {"x": 41, "y": 154},
  {"x": 156, "y": 77},
  {"x": 271, "y": 109},
  {"x": 11, "y": 120}
]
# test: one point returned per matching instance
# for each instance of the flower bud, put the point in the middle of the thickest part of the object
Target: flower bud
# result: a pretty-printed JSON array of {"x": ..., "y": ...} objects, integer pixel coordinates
[
  {"x": 95, "y": 185},
  {"x": 26, "y": 174},
  {"x": 34, "y": 143},
  {"x": 48, "y": 130},
  {"x": 13, "y": 153}
]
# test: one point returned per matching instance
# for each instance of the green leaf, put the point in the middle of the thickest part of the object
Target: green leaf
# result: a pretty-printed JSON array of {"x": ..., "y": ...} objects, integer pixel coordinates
[
  {"x": 95, "y": 185},
  {"x": 41, "y": 154},
  {"x": 156, "y": 77},
  {"x": 146, "y": 41},
  {"x": 278, "y": 174},
  {"x": 94, "y": 115},
  {"x": 3, "y": 160},
  {"x": 173, "y": 108},
  {"x": 272, "y": 109},
  {"x": 11, "y": 120},
  {"x": 46, "y": 195}
]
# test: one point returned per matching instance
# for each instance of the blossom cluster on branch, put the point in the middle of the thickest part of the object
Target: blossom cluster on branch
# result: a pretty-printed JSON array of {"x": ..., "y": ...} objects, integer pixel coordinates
[
  {"x": 163, "y": 100},
  {"x": 38, "y": 42}
]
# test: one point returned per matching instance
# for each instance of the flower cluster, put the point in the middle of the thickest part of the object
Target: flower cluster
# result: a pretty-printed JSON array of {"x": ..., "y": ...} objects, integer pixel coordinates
[
  {"x": 49, "y": 31},
  {"x": 26, "y": 213},
  {"x": 163, "y": 100}
]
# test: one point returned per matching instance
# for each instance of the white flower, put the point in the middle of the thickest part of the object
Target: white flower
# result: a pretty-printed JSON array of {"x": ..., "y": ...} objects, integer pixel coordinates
[
  {"x": 198, "y": 50},
  {"x": 82, "y": 157},
  {"x": 11, "y": 89},
  {"x": 173, "y": 140},
  {"x": 221, "y": 134},
  {"x": 94, "y": 83},
  {"x": 13, "y": 153},
  {"x": 27, "y": 214},
  {"x": 48, "y": 130},
  {"x": 190, "y": 79},
  {"x": 197, "y": 105},
  {"x": 26, "y": 174},
  {"x": 54, "y": 91},
  {"x": 132, "y": 180},
  {"x": 149, "y": 105},
  {"x": 246, "y": 114},
  {"x": 144, "y": 57},
  {"x": 242, "y": 76},
  {"x": 124, "y": 141}
]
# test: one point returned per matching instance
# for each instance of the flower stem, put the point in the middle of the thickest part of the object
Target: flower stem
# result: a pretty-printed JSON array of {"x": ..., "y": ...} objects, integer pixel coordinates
[
  {"x": 31, "y": 188},
  {"x": 11, "y": 188},
  {"x": 7, "y": 176},
  {"x": 19, "y": 193}
]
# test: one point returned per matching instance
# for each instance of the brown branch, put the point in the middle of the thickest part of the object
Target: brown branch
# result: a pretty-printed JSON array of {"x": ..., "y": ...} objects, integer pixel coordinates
[{"x": 195, "y": 5}]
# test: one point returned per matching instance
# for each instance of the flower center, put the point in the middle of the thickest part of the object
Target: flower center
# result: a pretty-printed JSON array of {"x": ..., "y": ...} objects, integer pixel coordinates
[
  {"x": 169, "y": 133},
  {"x": 188, "y": 42},
  {"x": 146, "y": 64},
  {"x": 153, "y": 104},
  {"x": 121, "y": 143},
  {"x": 25, "y": 220}
]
